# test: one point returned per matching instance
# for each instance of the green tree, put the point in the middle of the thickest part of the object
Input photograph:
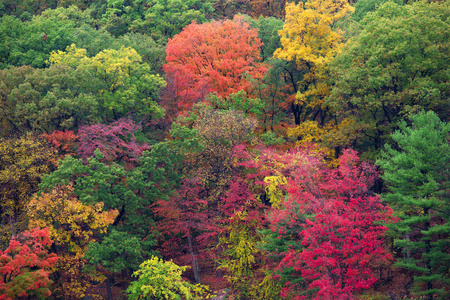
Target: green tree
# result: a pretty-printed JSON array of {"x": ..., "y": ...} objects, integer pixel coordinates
[
  {"x": 363, "y": 7},
  {"x": 227, "y": 9},
  {"x": 43, "y": 100},
  {"x": 161, "y": 19},
  {"x": 117, "y": 252},
  {"x": 279, "y": 85},
  {"x": 158, "y": 279},
  {"x": 416, "y": 172},
  {"x": 95, "y": 182},
  {"x": 127, "y": 84},
  {"x": 165, "y": 18},
  {"x": 397, "y": 65},
  {"x": 31, "y": 42},
  {"x": 25, "y": 9}
]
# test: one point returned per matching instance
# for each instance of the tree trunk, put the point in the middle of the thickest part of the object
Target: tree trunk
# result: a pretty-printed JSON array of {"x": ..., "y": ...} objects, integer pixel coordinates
[
  {"x": 108, "y": 287},
  {"x": 194, "y": 258}
]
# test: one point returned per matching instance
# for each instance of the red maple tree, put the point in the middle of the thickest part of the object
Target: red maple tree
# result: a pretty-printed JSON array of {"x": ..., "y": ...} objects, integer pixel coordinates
[
  {"x": 213, "y": 57},
  {"x": 63, "y": 141},
  {"x": 340, "y": 236},
  {"x": 25, "y": 265}
]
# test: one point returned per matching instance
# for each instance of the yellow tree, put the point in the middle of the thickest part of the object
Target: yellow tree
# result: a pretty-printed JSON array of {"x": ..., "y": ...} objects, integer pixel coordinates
[
  {"x": 240, "y": 253},
  {"x": 23, "y": 162},
  {"x": 311, "y": 38},
  {"x": 73, "y": 226}
]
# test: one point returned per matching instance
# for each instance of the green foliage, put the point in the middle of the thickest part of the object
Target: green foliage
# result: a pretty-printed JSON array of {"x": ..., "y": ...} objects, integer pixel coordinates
[
  {"x": 127, "y": 83},
  {"x": 165, "y": 18},
  {"x": 237, "y": 101},
  {"x": 158, "y": 279},
  {"x": 363, "y": 7},
  {"x": 25, "y": 8},
  {"x": 396, "y": 66},
  {"x": 30, "y": 43},
  {"x": 161, "y": 19},
  {"x": 416, "y": 172},
  {"x": 268, "y": 28},
  {"x": 273, "y": 89},
  {"x": 45, "y": 100},
  {"x": 117, "y": 252},
  {"x": 270, "y": 138},
  {"x": 152, "y": 53},
  {"x": 96, "y": 182}
]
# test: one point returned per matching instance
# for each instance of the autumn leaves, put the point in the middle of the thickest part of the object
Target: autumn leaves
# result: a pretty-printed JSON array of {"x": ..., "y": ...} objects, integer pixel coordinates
[{"x": 221, "y": 145}]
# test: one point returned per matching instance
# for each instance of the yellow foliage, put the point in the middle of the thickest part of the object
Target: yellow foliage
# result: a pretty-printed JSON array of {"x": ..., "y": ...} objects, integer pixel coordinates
[
  {"x": 23, "y": 162},
  {"x": 326, "y": 137},
  {"x": 68, "y": 219},
  {"x": 308, "y": 34},
  {"x": 72, "y": 227},
  {"x": 273, "y": 191},
  {"x": 111, "y": 65},
  {"x": 220, "y": 131},
  {"x": 309, "y": 38},
  {"x": 240, "y": 251},
  {"x": 72, "y": 57},
  {"x": 159, "y": 279},
  {"x": 268, "y": 288},
  {"x": 127, "y": 81}
]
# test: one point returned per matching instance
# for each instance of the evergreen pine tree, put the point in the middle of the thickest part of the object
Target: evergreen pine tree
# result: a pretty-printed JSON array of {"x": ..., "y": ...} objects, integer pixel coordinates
[{"x": 416, "y": 172}]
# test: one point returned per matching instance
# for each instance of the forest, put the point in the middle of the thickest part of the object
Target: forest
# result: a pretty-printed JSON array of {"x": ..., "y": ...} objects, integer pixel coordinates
[{"x": 224, "y": 149}]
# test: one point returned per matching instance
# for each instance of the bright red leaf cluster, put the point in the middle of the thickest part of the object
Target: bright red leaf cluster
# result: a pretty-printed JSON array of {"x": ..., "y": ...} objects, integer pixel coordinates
[
  {"x": 24, "y": 265},
  {"x": 63, "y": 141},
  {"x": 340, "y": 239}
]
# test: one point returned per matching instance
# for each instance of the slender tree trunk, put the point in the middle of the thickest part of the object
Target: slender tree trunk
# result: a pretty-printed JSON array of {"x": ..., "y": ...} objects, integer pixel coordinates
[
  {"x": 428, "y": 250},
  {"x": 108, "y": 287},
  {"x": 408, "y": 251},
  {"x": 194, "y": 258},
  {"x": 218, "y": 252}
]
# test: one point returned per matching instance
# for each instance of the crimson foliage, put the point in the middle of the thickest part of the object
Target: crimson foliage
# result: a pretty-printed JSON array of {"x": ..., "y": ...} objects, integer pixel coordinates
[
  {"x": 331, "y": 221},
  {"x": 24, "y": 265}
]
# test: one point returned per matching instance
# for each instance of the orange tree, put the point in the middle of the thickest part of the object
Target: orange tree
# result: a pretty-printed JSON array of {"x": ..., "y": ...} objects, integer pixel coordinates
[{"x": 217, "y": 56}]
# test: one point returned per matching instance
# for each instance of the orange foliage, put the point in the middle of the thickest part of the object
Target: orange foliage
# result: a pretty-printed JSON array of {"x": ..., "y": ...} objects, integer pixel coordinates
[{"x": 219, "y": 56}]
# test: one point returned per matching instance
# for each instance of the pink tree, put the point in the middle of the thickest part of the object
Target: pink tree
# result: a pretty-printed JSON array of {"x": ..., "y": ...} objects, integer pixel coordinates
[
  {"x": 117, "y": 141},
  {"x": 187, "y": 224}
]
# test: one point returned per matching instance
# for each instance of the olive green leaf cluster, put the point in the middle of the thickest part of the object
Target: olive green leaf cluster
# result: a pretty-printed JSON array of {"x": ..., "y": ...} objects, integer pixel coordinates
[{"x": 396, "y": 66}]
